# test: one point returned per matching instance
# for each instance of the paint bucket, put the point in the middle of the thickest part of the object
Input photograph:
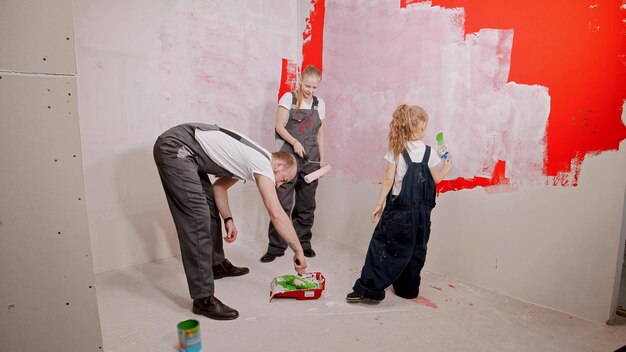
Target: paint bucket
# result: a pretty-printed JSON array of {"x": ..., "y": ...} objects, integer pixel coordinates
[{"x": 189, "y": 336}]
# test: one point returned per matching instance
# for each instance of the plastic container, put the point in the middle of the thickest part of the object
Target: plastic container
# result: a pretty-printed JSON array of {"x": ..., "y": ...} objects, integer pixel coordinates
[{"x": 300, "y": 294}]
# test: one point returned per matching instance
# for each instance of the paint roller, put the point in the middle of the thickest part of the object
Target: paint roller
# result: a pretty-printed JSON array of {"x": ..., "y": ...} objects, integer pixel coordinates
[
  {"x": 443, "y": 151},
  {"x": 317, "y": 174}
]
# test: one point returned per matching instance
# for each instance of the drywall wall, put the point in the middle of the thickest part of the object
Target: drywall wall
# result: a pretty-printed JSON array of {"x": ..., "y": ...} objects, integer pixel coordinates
[
  {"x": 520, "y": 129},
  {"x": 47, "y": 291},
  {"x": 146, "y": 66},
  {"x": 531, "y": 209},
  {"x": 555, "y": 247}
]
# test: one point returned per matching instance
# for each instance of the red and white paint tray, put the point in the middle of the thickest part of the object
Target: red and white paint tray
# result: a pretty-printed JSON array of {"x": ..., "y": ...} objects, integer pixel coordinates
[{"x": 300, "y": 287}]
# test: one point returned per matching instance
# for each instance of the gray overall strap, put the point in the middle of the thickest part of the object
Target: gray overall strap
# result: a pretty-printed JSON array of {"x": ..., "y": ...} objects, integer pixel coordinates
[
  {"x": 244, "y": 141},
  {"x": 294, "y": 102},
  {"x": 207, "y": 127}
]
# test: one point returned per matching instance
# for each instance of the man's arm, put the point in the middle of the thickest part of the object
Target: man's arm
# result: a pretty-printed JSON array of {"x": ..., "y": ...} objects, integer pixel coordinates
[
  {"x": 281, "y": 221},
  {"x": 220, "y": 192}
]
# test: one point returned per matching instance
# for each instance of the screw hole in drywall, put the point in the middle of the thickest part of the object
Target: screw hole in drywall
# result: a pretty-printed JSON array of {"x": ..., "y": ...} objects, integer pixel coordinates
[
  {"x": 67, "y": 303},
  {"x": 44, "y": 59},
  {"x": 11, "y": 306},
  {"x": 79, "y": 199},
  {"x": 58, "y": 233},
  {"x": 49, "y": 107},
  {"x": 55, "y": 160}
]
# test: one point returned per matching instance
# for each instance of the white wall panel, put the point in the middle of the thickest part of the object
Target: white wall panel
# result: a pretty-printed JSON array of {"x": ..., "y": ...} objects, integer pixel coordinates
[
  {"x": 37, "y": 36},
  {"x": 47, "y": 292}
]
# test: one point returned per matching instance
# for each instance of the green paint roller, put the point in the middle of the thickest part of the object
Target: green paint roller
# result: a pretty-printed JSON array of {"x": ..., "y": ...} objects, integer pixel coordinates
[{"x": 443, "y": 151}]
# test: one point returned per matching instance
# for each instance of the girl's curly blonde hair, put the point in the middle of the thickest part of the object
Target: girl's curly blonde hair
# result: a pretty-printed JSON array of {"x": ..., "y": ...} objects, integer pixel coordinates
[{"x": 404, "y": 123}]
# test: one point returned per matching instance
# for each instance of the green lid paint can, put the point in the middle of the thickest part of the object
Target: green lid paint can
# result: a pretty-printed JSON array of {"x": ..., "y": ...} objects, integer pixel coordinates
[{"x": 189, "y": 336}]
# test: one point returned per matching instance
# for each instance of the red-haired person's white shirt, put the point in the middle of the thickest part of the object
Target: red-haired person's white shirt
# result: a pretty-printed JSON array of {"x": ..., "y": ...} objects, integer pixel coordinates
[{"x": 416, "y": 151}]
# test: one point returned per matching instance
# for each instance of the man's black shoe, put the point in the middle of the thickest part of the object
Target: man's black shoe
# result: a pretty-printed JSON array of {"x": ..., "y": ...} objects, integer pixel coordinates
[
  {"x": 227, "y": 269},
  {"x": 354, "y": 297},
  {"x": 211, "y": 307},
  {"x": 269, "y": 257},
  {"x": 309, "y": 253}
]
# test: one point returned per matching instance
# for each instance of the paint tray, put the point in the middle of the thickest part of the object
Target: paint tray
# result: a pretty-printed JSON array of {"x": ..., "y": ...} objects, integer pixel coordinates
[{"x": 282, "y": 286}]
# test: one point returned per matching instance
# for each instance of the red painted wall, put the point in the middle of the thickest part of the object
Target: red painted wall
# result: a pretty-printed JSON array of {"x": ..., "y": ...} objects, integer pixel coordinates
[{"x": 577, "y": 49}]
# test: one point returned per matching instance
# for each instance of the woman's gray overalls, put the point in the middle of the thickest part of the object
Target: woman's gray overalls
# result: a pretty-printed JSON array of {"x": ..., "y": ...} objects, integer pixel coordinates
[
  {"x": 397, "y": 251},
  {"x": 303, "y": 125}
]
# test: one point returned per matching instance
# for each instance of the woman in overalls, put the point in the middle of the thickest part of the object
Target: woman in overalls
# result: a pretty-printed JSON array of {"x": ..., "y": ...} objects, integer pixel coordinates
[
  {"x": 299, "y": 131},
  {"x": 397, "y": 250}
]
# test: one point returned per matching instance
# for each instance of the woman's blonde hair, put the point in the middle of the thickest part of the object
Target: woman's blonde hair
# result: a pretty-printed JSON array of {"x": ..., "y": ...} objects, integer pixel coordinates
[
  {"x": 404, "y": 122},
  {"x": 310, "y": 70}
]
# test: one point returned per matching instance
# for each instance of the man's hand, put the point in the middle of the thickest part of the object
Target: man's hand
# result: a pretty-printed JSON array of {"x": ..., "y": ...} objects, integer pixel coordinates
[
  {"x": 299, "y": 263},
  {"x": 231, "y": 231}
]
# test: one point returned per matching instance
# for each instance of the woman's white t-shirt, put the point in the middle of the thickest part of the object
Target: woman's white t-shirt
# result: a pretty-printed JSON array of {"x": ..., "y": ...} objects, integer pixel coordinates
[
  {"x": 416, "y": 151},
  {"x": 286, "y": 100}
]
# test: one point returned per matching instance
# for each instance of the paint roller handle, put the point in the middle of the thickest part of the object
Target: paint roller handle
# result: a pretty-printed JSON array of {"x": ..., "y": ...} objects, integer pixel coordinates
[{"x": 299, "y": 266}]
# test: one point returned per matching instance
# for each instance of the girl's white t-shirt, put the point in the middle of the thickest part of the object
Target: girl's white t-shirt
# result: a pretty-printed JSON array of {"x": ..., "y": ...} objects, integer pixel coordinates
[{"x": 416, "y": 151}]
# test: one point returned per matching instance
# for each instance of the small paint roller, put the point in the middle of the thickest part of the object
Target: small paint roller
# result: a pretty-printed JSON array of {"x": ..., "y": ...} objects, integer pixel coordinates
[
  {"x": 317, "y": 174},
  {"x": 443, "y": 151}
]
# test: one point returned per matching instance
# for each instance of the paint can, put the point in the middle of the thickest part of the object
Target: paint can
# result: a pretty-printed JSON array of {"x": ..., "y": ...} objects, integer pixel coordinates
[{"x": 189, "y": 336}]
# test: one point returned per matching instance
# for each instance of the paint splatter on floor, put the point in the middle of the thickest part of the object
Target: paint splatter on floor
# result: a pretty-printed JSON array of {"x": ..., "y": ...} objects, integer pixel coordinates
[
  {"x": 424, "y": 301},
  {"x": 437, "y": 288}
]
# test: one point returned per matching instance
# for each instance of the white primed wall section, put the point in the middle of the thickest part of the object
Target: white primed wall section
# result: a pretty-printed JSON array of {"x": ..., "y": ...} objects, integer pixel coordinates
[{"x": 47, "y": 291}]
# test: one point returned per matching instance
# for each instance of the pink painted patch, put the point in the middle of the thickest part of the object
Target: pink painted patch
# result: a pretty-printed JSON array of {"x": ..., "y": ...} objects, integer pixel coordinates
[
  {"x": 424, "y": 301},
  {"x": 421, "y": 55}
]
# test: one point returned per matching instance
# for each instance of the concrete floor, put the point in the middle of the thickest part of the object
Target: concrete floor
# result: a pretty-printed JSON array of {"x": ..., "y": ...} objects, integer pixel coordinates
[{"x": 141, "y": 305}]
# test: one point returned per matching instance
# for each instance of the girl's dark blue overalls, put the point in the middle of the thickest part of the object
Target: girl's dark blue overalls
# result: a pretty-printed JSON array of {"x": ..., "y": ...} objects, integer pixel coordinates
[{"x": 397, "y": 251}]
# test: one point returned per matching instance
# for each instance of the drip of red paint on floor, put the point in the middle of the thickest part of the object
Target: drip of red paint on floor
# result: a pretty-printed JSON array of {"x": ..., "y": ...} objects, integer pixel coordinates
[
  {"x": 424, "y": 301},
  {"x": 437, "y": 288}
]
